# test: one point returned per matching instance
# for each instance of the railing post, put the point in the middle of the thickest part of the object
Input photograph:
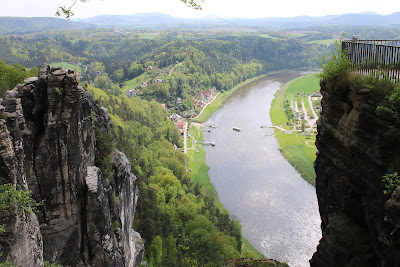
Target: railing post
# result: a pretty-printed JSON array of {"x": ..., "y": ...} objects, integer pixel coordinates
[{"x": 352, "y": 50}]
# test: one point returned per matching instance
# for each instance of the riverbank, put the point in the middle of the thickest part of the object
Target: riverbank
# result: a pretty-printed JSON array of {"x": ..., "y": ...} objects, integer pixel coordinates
[
  {"x": 221, "y": 98},
  {"x": 297, "y": 148}
]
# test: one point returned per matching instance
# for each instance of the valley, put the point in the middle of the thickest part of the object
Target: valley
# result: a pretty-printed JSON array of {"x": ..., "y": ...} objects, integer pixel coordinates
[{"x": 189, "y": 145}]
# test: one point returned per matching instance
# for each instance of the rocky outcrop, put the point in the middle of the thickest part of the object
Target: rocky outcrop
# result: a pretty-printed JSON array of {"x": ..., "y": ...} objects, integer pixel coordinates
[
  {"x": 355, "y": 149},
  {"x": 48, "y": 146}
]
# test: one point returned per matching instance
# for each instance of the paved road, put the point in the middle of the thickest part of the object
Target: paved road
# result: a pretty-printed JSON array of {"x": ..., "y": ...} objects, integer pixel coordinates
[
  {"x": 175, "y": 67},
  {"x": 312, "y": 108},
  {"x": 206, "y": 106},
  {"x": 185, "y": 137}
]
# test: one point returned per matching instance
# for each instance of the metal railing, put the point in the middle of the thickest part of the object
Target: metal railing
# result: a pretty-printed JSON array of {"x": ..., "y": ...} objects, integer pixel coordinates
[{"x": 380, "y": 58}]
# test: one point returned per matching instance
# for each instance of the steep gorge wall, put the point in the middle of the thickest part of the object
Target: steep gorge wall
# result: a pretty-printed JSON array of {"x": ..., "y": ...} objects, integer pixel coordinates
[
  {"x": 355, "y": 149},
  {"x": 47, "y": 145}
]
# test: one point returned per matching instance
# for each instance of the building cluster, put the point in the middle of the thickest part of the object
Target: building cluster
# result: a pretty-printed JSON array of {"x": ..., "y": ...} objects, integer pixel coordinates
[
  {"x": 204, "y": 98},
  {"x": 178, "y": 121}
]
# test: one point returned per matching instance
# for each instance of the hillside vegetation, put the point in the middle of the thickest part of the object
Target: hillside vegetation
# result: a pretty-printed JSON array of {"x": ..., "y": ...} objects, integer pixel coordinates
[
  {"x": 166, "y": 68},
  {"x": 180, "y": 225}
]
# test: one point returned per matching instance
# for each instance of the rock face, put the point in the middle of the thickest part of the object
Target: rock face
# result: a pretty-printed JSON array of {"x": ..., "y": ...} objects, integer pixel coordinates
[
  {"x": 356, "y": 149},
  {"x": 48, "y": 145}
]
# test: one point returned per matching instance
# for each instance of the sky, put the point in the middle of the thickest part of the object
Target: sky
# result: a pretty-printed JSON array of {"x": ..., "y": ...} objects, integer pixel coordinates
[{"x": 220, "y": 8}]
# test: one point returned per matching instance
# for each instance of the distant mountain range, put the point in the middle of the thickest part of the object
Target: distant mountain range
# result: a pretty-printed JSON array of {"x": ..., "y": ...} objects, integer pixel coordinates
[
  {"x": 18, "y": 25},
  {"x": 359, "y": 19}
]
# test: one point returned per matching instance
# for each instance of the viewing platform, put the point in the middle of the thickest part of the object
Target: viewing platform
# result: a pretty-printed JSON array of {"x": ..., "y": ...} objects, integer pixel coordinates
[{"x": 379, "y": 58}]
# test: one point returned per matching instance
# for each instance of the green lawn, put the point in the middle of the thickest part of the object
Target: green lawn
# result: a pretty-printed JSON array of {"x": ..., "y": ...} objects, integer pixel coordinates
[
  {"x": 197, "y": 162},
  {"x": 306, "y": 84},
  {"x": 278, "y": 116},
  {"x": 67, "y": 66},
  {"x": 298, "y": 154},
  {"x": 293, "y": 146},
  {"x": 135, "y": 83},
  {"x": 189, "y": 142}
]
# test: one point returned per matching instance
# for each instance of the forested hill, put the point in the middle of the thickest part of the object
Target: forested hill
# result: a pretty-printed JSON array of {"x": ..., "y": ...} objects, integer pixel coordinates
[
  {"x": 185, "y": 64},
  {"x": 18, "y": 25}
]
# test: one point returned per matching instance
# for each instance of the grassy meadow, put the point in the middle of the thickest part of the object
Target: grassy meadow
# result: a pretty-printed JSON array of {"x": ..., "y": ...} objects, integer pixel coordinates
[
  {"x": 67, "y": 66},
  {"x": 298, "y": 149}
]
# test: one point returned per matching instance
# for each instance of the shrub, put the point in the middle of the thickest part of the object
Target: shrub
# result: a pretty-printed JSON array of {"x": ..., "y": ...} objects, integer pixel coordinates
[
  {"x": 336, "y": 71},
  {"x": 391, "y": 181},
  {"x": 105, "y": 145}
]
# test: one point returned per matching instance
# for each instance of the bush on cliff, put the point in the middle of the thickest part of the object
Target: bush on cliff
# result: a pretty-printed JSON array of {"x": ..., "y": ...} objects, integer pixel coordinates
[{"x": 336, "y": 71}]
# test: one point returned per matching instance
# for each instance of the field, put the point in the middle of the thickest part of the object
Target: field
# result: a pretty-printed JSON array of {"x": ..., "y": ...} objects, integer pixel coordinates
[
  {"x": 136, "y": 82},
  {"x": 266, "y": 35},
  {"x": 67, "y": 66},
  {"x": 307, "y": 84},
  {"x": 197, "y": 161},
  {"x": 326, "y": 42},
  {"x": 298, "y": 149}
]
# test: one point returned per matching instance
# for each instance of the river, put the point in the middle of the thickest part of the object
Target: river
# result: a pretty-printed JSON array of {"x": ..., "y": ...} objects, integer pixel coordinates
[{"x": 276, "y": 207}]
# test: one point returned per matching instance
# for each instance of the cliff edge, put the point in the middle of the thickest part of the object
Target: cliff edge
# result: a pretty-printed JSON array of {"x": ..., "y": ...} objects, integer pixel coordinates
[
  {"x": 356, "y": 148},
  {"x": 48, "y": 146}
]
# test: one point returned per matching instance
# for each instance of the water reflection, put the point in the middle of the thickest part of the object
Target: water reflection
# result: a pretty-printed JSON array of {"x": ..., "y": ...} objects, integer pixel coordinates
[{"x": 277, "y": 208}]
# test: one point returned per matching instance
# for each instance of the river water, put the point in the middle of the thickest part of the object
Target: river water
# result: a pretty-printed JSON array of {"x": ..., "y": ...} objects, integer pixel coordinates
[{"x": 276, "y": 207}]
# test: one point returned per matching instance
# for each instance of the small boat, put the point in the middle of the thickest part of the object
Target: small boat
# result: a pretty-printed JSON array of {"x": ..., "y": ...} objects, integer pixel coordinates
[{"x": 236, "y": 129}]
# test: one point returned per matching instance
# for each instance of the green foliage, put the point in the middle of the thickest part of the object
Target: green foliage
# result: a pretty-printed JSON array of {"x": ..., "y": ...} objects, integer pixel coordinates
[
  {"x": 11, "y": 75},
  {"x": 48, "y": 264},
  {"x": 336, "y": 70},
  {"x": 58, "y": 90},
  {"x": 391, "y": 181},
  {"x": 288, "y": 110},
  {"x": 105, "y": 146},
  {"x": 6, "y": 264},
  {"x": 16, "y": 197},
  {"x": 116, "y": 225},
  {"x": 378, "y": 82}
]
